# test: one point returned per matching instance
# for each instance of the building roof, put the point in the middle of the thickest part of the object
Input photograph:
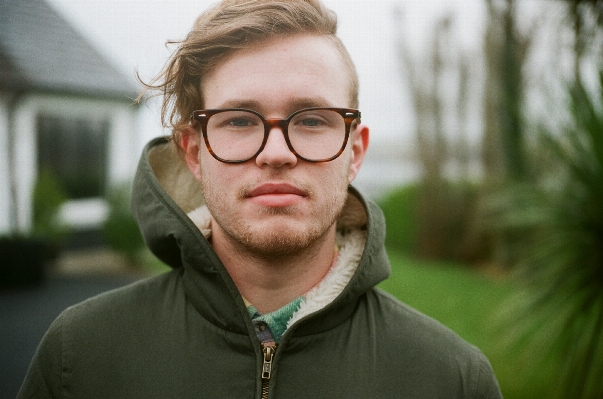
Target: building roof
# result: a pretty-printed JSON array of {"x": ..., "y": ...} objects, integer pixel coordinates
[{"x": 40, "y": 50}]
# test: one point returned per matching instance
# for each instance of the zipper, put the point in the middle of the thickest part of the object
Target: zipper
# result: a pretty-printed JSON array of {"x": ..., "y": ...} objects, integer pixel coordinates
[{"x": 268, "y": 350}]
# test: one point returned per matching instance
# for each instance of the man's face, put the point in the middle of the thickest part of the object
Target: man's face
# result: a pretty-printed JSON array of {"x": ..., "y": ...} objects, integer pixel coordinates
[{"x": 277, "y": 204}]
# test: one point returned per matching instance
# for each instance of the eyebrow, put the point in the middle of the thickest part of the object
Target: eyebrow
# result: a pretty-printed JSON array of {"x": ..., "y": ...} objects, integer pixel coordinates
[
  {"x": 251, "y": 104},
  {"x": 292, "y": 106},
  {"x": 300, "y": 103}
]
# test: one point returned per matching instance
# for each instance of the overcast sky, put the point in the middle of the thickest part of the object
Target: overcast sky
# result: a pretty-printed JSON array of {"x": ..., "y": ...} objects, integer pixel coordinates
[{"x": 133, "y": 33}]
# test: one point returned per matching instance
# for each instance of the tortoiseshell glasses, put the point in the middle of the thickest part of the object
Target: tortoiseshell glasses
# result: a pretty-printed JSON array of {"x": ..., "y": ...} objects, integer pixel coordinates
[{"x": 235, "y": 135}]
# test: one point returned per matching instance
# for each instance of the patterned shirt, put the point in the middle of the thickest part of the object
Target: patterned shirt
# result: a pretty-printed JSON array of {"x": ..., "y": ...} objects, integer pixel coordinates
[{"x": 271, "y": 326}]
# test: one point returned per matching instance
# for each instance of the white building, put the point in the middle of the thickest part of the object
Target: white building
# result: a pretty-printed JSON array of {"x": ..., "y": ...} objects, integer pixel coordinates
[{"x": 64, "y": 108}]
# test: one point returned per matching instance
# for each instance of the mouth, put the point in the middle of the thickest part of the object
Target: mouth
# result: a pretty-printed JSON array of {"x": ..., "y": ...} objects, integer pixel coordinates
[
  {"x": 276, "y": 189},
  {"x": 276, "y": 194}
]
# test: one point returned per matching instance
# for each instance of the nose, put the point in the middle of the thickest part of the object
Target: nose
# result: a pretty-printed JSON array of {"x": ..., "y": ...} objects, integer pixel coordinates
[{"x": 276, "y": 153}]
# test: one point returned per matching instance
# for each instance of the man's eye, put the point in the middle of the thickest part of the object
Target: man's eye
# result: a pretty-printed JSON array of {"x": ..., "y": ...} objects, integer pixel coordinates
[
  {"x": 311, "y": 122},
  {"x": 240, "y": 122}
]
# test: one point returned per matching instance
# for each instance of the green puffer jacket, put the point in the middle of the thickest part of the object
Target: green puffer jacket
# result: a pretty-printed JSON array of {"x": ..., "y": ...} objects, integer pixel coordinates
[{"x": 187, "y": 333}]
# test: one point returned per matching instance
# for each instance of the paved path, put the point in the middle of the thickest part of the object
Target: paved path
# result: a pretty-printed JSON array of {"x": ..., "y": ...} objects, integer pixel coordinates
[{"x": 26, "y": 313}]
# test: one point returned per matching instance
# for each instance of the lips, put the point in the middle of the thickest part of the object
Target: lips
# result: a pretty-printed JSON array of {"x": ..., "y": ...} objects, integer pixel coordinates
[
  {"x": 276, "y": 194},
  {"x": 275, "y": 189}
]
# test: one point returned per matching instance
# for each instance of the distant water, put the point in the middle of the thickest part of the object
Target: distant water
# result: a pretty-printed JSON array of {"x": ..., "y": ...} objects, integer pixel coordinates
[{"x": 377, "y": 177}]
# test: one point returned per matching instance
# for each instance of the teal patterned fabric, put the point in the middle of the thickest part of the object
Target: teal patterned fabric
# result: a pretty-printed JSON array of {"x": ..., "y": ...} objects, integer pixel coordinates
[{"x": 276, "y": 321}]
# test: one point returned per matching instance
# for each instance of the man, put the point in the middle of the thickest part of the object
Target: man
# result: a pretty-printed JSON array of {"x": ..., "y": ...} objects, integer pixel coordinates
[{"x": 274, "y": 256}]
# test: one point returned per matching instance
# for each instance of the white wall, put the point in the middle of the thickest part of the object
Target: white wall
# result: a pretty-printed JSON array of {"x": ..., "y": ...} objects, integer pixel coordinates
[
  {"x": 4, "y": 169},
  {"x": 123, "y": 145}
]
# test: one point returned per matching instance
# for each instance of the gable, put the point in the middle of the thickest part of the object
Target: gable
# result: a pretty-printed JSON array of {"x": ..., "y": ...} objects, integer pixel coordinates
[{"x": 40, "y": 50}]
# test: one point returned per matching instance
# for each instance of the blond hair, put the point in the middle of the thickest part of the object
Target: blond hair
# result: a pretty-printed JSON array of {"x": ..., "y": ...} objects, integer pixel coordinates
[{"x": 222, "y": 30}]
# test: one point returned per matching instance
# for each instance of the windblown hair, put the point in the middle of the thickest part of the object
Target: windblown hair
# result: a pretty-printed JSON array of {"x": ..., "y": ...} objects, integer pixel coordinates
[{"x": 223, "y": 29}]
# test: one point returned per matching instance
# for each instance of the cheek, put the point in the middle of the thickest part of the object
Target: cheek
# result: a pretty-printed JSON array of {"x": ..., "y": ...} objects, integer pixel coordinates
[
  {"x": 347, "y": 171},
  {"x": 206, "y": 175},
  {"x": 208, "y": 165},
  {"x": 337, "y": 178},
  {"x": 217, "y": 178}
]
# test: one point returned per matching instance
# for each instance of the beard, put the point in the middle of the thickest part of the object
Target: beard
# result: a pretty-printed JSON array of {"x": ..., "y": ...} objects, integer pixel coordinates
[
  {"x": 274, "y": 233},
  {"x": 285, "y": 239}
]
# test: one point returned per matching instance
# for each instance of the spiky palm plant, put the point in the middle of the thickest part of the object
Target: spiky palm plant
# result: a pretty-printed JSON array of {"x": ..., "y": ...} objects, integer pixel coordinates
[{"x": 558, "y": 313}]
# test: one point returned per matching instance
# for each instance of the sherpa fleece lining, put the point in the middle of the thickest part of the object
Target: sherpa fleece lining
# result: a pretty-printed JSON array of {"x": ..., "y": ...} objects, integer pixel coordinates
[{"x": 350, "y": 239}]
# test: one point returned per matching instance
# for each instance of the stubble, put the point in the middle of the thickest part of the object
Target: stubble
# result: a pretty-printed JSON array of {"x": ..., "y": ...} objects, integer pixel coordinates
[{"x": 282, "y": 232}]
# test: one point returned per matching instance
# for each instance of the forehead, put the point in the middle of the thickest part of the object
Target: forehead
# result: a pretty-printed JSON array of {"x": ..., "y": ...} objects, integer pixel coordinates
[{"x": 281, "y": 72}]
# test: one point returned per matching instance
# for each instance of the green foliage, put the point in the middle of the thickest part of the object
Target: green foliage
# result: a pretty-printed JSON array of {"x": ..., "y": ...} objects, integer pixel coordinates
[
  {"x": 120, "y": 229},
  {"x": 434, "y": 220},
  {"x": 22, "y": 260},
  {"x": 446, "y": 213},
  {"x": 48, "y": 197},
  {"x": 559, "y": 261},
  {"x": 152, "y": 265},
  {"x": 400, "y": 210}
]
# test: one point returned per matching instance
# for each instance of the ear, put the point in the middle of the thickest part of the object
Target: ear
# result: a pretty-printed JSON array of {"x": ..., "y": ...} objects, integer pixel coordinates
[
  {"x": 360, "y": 142},
  {"x": 190, "y": 143}
]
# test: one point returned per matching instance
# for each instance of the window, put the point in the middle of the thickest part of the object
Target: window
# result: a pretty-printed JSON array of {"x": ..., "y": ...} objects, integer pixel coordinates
[{"x": 75, "y": 151}]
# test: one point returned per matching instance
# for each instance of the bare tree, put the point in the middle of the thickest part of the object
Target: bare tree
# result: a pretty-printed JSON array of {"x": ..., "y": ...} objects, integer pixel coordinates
[
  {"x": 439, "y": 88},
  {"x": 505, "y": 52}
]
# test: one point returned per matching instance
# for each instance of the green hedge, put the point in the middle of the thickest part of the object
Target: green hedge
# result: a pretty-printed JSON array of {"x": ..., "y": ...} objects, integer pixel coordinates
[
  {"x": 400, "y": 210},
  {"x": 120, "y": 229},
  {"x": 435, "y": 220}
]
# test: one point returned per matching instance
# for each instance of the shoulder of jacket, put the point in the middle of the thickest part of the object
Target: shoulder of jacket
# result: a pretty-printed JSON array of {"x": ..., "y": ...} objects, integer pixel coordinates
[
  {"x": 410, "y": 334},
  {"x": 116, "y": 303},
  {"x": 410, "y": 324}
]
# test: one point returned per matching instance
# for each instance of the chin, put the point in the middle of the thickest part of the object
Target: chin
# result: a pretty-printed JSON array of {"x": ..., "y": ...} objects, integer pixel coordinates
[{"x": 282, "y": 240}]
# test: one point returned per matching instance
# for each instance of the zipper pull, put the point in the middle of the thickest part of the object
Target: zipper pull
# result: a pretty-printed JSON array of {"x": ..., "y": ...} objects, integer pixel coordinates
[{"x": 267, "y": 367}]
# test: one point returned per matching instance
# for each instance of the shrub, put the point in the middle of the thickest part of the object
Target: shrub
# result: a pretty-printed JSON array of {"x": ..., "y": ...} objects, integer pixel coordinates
[
  {"x": 434, "y": 220},
  {"x": 400, "y": 210},
  {"x": 120, "y": 229},
  {"x": 559, "y": 263},
  {"x": 22, "y": 261},
  {"x": 48, "y": 197}
]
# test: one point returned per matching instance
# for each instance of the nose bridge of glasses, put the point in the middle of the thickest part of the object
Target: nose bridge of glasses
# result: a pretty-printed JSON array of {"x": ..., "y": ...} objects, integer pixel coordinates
[
  {"x": 276, "y": 148},
  {"x": 276, "y": 123},
  {"x": 282, "y": 125}
]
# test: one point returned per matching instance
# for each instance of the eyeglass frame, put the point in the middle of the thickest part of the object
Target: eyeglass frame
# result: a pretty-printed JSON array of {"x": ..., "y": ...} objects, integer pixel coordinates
[{"x": 201, "y": 117}]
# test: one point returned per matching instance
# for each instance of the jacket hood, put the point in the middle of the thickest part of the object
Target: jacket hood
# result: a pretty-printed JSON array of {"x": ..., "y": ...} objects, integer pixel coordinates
[{"x": 164, "y": 191}]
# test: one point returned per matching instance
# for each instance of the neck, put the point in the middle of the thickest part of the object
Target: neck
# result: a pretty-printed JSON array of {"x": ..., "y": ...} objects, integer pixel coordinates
[{"x": 271, "y": 282}]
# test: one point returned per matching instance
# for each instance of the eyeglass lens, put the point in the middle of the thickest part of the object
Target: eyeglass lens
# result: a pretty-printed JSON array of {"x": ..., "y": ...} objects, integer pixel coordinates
[{"x": 313, "y": 134}]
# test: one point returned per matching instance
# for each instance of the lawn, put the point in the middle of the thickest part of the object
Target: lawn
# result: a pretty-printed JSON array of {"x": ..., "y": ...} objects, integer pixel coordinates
[{"x": 470, "y": 303}]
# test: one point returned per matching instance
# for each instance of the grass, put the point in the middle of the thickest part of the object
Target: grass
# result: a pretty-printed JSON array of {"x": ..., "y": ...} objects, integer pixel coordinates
[
  {"x": 470, "y": 303},
  {"x": 151, "y": 264}
]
